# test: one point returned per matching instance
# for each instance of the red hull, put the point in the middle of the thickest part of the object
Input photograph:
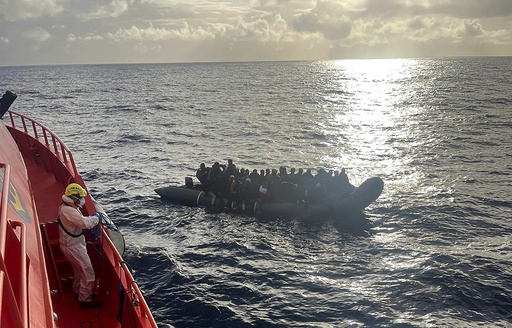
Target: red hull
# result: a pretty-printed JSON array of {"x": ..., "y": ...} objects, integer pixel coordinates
[{"x": 35, "y": 167}]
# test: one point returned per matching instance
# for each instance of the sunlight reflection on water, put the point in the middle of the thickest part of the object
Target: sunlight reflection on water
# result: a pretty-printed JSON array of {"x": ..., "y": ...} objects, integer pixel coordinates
[{"x": 366, "y": 121}]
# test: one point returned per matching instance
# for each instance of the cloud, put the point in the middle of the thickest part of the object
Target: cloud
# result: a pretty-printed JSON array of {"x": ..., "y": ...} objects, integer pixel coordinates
[
  {"x": 114, "y": 9},
  {"x": 474, "y": 32},
  {"x": 35, "y": 37},
  {"x": 454, "y": 8},
  {"x": 262, "y": 29},
  {"x": 169, "y": 30},
  {"x": 473, "y": 29},
  {"x": 16, "y": 10},
  {"x": 424, "y": 29},
  {"x": 88, "y": 37},
  {"x": 148, "y": 49},
  {"x": 151, "y": 33},
  {"x": 269, "y": 4},
  {"x": 328, "y": 18},
  {"x": 471, "y": 8},
  {"x": 37, "y": 34}
]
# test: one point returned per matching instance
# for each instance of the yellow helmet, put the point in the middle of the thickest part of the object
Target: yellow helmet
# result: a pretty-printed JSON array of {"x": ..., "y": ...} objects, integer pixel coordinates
[{"x": 76, "y": 190}]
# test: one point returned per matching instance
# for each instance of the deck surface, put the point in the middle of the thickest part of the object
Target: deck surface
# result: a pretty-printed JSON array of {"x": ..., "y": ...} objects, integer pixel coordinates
[{"x": 47, "y": 194}]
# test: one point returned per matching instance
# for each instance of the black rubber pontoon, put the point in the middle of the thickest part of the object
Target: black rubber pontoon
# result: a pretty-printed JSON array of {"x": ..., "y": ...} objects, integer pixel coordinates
[{"x": 354, "y": 202}]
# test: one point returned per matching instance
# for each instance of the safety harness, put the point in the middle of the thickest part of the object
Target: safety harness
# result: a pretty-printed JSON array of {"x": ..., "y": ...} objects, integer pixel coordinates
[{"x": 62, "y": 226}]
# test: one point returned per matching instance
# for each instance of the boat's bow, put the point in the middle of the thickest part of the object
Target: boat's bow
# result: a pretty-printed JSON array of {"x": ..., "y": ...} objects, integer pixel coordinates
[{"x": 35, "y": 277}]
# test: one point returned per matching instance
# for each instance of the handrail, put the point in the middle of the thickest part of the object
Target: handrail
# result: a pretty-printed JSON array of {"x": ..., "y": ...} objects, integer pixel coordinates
[
  {"x": 23, "y": 286},
  {"x": 131, "y": 285},
  {"x": 57, "y": 147},
  {"x": 7, "y": 294},
  {"x": 3, "y": 205},
  {"x": 18, "y": 315}
]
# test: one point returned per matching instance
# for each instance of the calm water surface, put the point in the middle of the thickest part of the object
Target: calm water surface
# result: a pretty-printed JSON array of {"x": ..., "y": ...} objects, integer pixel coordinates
[{"x": 439, "y": 250}]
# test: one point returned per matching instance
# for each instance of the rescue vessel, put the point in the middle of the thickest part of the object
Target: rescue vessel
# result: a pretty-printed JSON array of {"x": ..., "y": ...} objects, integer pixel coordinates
[{"x": 35, "y": 277}]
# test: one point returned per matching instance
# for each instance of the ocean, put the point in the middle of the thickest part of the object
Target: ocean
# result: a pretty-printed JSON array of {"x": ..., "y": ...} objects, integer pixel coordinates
[{"x": 437, "y": 252}]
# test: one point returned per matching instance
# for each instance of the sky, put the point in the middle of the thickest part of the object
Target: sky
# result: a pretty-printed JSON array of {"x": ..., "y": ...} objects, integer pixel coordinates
[{"x": 40, "y": 32}]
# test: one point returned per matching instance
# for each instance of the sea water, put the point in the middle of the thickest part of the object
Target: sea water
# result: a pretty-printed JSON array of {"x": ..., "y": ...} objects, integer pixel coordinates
[{"x": 438, "y": 252}]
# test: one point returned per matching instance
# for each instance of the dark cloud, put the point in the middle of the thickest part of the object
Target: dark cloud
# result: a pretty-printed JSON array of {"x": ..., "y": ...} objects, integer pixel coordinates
[
  {"x": 417, "y": 23},
  {"x": 328, "y": 18},
  {"x": 473, "y": 29},
  {"x": 473, "y": 8},
  {"x": 336, "y": 30},
  {"x": 470, "y": 9},
  {"x": 307, "y": 23}
]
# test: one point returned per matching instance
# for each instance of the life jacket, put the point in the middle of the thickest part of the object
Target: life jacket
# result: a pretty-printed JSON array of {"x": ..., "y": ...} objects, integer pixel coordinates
[
  {"x": 233, "y": 187},
  {"x": 264, "y": 195}
]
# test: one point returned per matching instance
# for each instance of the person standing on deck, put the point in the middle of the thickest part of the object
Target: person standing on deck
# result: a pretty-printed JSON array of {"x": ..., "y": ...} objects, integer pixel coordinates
[{"x": 72, "y": 242}]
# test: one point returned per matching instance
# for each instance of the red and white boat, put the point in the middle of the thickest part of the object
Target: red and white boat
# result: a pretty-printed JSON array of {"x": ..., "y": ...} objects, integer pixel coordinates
[{"x": 35, "y": 278}]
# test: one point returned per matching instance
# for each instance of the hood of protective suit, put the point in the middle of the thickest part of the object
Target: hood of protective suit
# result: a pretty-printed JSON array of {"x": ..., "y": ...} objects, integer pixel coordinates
[{"x": 70, "y": 200}]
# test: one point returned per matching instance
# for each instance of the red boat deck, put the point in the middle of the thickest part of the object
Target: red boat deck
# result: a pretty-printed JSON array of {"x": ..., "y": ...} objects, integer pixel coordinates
[
  {"x": 50, "y": 298},
  {"x": 47, "y": 196}
]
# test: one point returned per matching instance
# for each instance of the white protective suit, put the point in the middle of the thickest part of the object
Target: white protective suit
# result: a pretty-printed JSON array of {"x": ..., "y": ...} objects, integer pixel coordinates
[{"x": 74, "y": 248}]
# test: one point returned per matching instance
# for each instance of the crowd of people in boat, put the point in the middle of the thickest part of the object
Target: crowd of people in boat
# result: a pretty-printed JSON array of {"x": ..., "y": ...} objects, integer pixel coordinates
[{"x": 242, "y": 186}]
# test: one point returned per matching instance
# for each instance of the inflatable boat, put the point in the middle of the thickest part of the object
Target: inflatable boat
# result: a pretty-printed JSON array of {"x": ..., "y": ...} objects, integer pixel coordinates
[{"x": 343, "y": 208}]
